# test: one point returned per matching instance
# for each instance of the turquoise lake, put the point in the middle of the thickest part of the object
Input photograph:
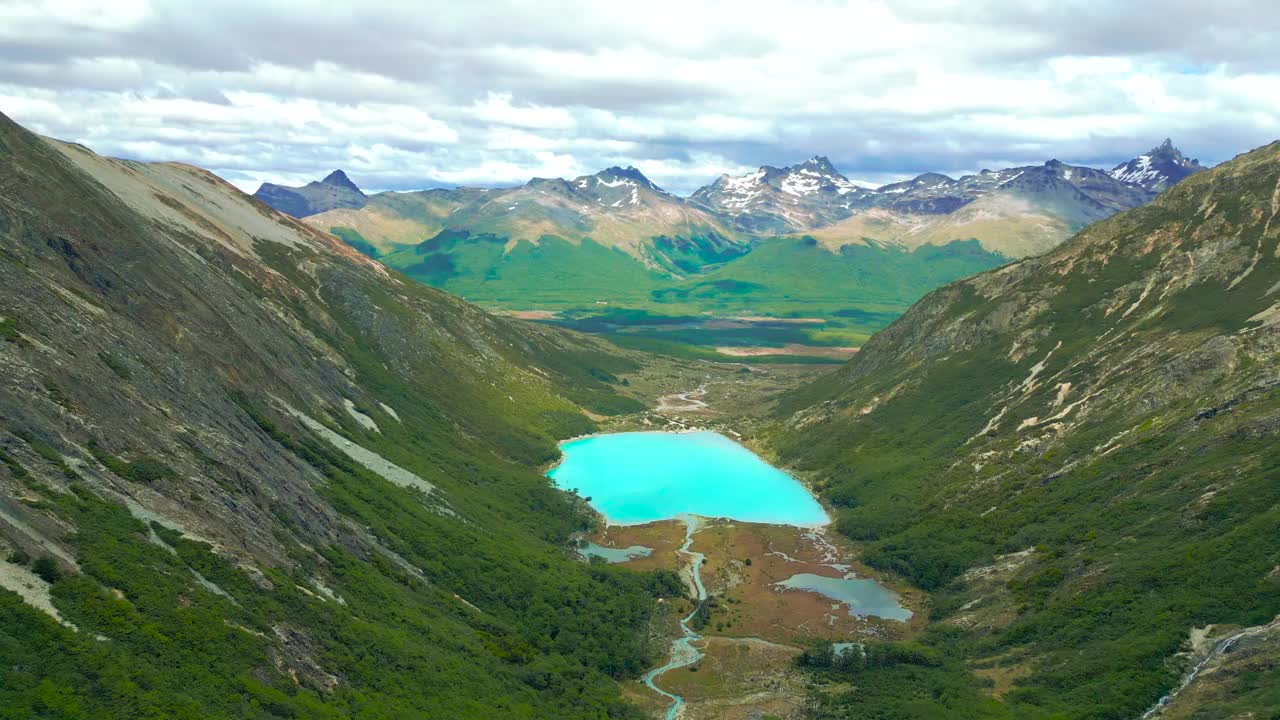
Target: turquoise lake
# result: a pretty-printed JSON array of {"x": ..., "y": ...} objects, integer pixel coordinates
[{"x": 639, "y": 477}]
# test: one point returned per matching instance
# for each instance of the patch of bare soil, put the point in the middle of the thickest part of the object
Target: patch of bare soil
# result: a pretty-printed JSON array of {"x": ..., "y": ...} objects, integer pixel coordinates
[
  {"x": 688, "y": 401},
  {"x": 529, "y": 314},
  {"x": 840, "y": 353},
  {"x": 767, "y": 319}
]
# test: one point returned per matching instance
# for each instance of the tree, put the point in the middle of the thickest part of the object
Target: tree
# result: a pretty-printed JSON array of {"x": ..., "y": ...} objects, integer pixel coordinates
[{"x": 47, "y": 568}]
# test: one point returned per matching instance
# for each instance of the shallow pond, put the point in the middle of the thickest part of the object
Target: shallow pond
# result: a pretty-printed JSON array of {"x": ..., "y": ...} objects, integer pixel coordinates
[
  {"x": 863, "y": 597},
  {"x": 641, "y": 477},
  {"x": 614, "y": 555}
]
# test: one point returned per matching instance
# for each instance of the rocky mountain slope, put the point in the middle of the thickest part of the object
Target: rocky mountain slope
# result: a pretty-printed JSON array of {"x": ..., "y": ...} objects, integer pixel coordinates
[
  {"x": 335, "y": 191},
  {"x": 1017, "y": 211},
  {"x": 245, "y": 470},
  {"x": 1158, "y": 168},
  {"x": 1077, "y": 454},
  {"x": 615, "y": 208}
]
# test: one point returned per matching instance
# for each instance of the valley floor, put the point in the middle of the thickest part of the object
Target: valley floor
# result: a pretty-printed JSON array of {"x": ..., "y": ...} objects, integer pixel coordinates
[{"x": 754, "y": 629}]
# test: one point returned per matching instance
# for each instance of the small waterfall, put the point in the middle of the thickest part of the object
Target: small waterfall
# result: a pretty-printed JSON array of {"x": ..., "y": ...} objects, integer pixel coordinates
[{"x": 1221, "y": 647}]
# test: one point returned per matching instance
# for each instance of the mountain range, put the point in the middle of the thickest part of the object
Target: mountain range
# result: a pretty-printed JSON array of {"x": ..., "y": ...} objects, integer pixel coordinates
[
  {"x": 801, "y": 240},
  {"x": 1016, "y": 211}
]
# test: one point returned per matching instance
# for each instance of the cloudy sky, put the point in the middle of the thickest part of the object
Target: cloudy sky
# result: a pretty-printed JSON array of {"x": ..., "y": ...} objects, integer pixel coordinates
[{"x": 444, "y": 92}]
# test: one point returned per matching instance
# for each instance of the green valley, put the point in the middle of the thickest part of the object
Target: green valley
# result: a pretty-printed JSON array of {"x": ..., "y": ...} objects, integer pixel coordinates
[
  {"x": 851, "y": 292},
  {"x": 982, "y": 444},
  {"x": 781, "y": 243}
]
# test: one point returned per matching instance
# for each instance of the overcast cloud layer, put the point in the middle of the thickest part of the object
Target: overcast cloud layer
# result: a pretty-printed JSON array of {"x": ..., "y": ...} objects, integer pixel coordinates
[{"x": 489, "y": 93}]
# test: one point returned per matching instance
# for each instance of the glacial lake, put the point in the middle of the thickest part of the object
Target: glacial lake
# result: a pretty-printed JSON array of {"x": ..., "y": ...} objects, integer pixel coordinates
[{"x": 639, "y": 477}]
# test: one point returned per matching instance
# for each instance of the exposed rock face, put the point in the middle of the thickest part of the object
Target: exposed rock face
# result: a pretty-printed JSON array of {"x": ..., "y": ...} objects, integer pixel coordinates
[
  {"x": 334, "y": 192},
  {"x": 616, "y": 207}
]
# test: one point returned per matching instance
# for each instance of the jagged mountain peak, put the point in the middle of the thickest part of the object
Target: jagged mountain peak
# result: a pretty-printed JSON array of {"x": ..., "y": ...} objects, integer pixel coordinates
[
  {"x": 338, "y": 178},
  {"x": 1168, "y": 150},
  {"x": 630, "y": 171},
  {"x": 1158, "y": 168},
  {"x": 614, "y": 175},
  {"x": 820, "y": 163},
  {"x": 335, "y": 191}
]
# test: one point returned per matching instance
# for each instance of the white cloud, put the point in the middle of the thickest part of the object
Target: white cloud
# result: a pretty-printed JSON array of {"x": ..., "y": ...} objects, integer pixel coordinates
[{"x": 401, "y": 96}]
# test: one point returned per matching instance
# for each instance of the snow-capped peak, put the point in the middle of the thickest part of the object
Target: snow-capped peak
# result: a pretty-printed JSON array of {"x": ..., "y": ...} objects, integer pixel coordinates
[
  {"x": 820, "y": 164},
  {"x": 1158, "y": 168},
  {"x": 614, "y": 176}
]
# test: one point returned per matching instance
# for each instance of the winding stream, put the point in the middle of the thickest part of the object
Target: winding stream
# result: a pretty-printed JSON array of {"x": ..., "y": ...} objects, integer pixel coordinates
[
  {"x": 636, "y": 478},
  {"x": 689, "y": 402},
  {"x": 683, "y": 653}
]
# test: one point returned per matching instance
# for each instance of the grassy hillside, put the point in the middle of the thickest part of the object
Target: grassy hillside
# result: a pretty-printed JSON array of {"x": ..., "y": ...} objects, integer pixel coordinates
[
  {"x": 1076, "y": 454},
  {"x": 855, "y": 290},
  {"x": 552, "y": 273},
  {"x": 780, "y": 276},
  {"x": 245, "y": 472}
]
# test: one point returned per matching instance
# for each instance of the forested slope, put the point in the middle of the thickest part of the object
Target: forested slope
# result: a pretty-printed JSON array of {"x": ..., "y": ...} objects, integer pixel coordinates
[
  {"x": 1076, "y": 454},
  {"x": 247, "y": 472}
]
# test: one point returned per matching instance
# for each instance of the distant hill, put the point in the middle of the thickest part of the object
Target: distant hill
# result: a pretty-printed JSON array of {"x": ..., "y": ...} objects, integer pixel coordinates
[{"x": 335, "y": 191}]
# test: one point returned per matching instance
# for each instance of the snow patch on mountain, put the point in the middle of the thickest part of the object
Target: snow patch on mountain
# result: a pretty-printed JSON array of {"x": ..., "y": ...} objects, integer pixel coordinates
[{"x": 801, "y": 183}]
